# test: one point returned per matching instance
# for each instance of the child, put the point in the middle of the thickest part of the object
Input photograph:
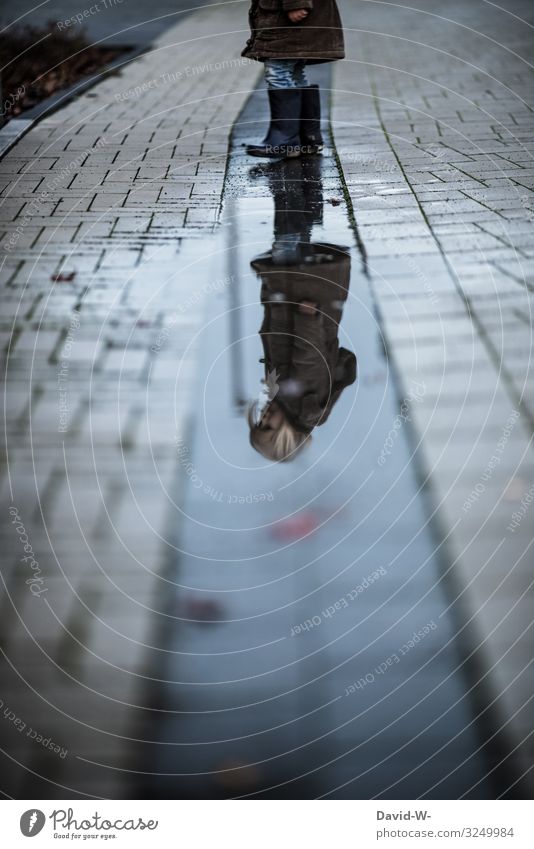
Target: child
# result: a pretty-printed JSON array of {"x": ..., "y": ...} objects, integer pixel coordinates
[
  {"x": 306, "y": 370},
  {"x": 273, "y": 435},
  {"x": 304, "y": 288},
  {"x": 287, "y": 35}
]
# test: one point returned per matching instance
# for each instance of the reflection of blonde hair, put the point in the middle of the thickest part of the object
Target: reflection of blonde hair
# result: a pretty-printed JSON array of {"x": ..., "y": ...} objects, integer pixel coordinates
[{"x": 280, "y": 445}]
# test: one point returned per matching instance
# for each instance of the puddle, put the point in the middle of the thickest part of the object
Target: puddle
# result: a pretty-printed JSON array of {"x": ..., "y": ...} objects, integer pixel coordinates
[{"x": 309, "y": 651}]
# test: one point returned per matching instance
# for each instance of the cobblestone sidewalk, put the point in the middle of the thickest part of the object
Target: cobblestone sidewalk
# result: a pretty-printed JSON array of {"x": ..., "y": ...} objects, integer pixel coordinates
[
  {"x": 103, "y": 206},
  {"x": 434, "y": 125},
  {"x": 100, "y": 204}
]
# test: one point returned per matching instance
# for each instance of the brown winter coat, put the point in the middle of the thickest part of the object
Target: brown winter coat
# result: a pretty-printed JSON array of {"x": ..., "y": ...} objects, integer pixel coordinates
[
  {"x": 318, "y": 38},
  {"x": 312, "y": 370}
]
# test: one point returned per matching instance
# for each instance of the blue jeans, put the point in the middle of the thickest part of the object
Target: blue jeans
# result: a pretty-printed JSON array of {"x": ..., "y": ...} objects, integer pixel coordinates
[{"x": 285, "y": 73}]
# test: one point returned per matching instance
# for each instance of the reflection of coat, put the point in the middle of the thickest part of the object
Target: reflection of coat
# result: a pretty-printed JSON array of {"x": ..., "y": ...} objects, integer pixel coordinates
[
  {"x": 312, "y": 370},
  {"x": 317, "y": 38}
]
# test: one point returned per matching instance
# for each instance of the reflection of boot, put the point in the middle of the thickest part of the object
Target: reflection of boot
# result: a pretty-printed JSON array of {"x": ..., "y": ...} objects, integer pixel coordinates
[
  {"x": 313, "y": 189},
  {"x": 286, "y": 186},
  {"x": 283, "y": 138},
  {"x": 310, "y": 120}
]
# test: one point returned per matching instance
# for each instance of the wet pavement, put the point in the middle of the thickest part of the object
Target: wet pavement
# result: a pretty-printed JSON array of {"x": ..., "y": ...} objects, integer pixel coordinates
[
  {"x": 105, "y": 204},
  {"x": 312, "y": 649},
  {"x": 199, "y": 620}
]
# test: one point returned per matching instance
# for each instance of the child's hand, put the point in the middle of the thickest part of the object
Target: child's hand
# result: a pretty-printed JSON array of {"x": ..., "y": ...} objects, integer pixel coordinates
[{"x": 297, "y": 15}]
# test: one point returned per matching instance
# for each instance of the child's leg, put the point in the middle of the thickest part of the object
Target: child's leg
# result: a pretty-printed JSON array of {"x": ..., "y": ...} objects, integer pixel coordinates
[
  {"x": 291, "y": 73},
  {"x": 310, "y": 129},
  {"x": 285, "y": 73},
  {"x": 299, "y": 74},
  {"x": 285, "y": 101}
]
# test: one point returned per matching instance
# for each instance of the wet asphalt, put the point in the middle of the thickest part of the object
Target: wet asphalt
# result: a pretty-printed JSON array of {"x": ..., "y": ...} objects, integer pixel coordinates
[{"x": 311, "y": 648}]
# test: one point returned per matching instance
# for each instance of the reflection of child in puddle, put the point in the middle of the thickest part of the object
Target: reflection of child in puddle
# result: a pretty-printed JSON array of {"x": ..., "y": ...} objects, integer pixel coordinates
[
  {"x": 273, "y": 435},
  {"x": 305, "y": 368}
]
